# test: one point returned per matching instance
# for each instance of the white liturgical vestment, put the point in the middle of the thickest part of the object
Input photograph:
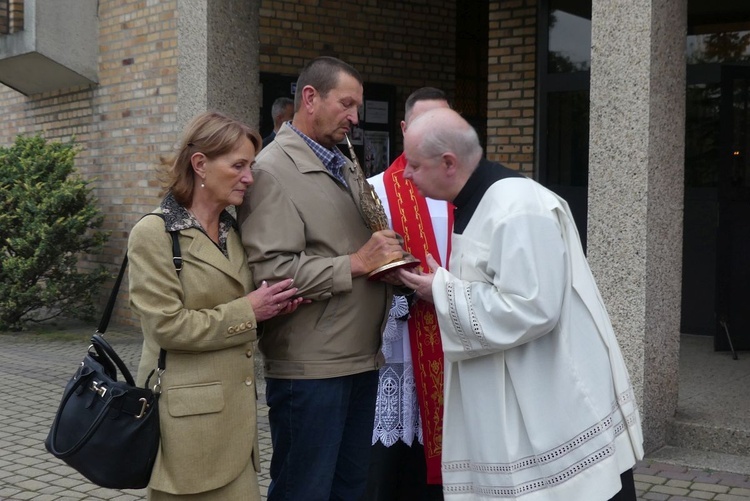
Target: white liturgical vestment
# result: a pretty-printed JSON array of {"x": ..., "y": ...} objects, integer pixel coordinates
[{"x": 538, "y": 403}]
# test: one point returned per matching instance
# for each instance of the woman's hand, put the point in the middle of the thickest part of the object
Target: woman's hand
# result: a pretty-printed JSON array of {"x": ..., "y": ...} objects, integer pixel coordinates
[{"x": 277, "y": 299}]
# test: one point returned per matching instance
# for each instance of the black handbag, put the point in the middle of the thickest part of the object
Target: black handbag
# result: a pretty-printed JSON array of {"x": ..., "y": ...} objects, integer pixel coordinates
[{"x": 107, "y": 429}]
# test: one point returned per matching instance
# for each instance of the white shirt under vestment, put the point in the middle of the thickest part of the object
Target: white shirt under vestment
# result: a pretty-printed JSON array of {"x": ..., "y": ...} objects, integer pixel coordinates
[
  {"x": 538, "y": 403},
  {"x": 397, "y": 409}
]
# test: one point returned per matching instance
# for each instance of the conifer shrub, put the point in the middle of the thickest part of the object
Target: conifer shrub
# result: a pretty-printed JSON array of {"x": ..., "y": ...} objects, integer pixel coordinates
[{"x": 48, "y": 219}]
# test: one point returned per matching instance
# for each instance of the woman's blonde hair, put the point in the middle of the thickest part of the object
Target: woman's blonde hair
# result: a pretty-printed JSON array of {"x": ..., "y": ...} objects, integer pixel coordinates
[{"x": 211, "y": 133}]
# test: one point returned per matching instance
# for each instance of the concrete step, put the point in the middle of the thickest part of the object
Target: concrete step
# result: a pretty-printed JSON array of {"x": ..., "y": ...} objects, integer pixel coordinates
[
  {"x": 702, "y": 460},
  {"x": 720, "y": 436}
]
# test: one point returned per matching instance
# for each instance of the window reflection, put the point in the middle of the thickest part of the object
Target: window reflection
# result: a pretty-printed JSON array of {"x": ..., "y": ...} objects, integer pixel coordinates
[
  {"x": 569, "y": 42},
  {"x": 718, "y": 47},
  {"x": 568, "y": 138},
  {"x": 702, "y": 134}
]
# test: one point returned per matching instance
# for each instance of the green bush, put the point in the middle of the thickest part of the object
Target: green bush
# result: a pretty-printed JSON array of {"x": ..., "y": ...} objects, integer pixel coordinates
[{"x": 48, "y": 217}]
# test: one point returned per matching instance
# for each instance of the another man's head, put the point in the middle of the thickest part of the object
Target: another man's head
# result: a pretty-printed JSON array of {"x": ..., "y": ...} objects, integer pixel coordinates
[
  {"x": 327, "y": 101},
  {"x": 422, "y": 100},
  {"x": 282, "y": 110},
  {"x": 442, "y": 150}
]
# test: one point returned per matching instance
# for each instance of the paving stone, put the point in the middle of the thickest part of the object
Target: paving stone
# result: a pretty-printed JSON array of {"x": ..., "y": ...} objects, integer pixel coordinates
[
  {"x": 719, "y": 489},
  {"x": 707, "y": 479},
  {"x": 8, "y": 492},
  {"x": 678, "y": 483},
  {"x": 672, "y": 491},
  {"x": 650, "y": 479},
  {"x": 655, "y": 496},
  {"x": 679, "y": 475},
  {"x": 728, "y": 497},
  {"x": 23, "y": 496},
  {"x": 702, "y": 495},
  {"x": 46, "y": 497},
  {"x": 31, "y": 485}
]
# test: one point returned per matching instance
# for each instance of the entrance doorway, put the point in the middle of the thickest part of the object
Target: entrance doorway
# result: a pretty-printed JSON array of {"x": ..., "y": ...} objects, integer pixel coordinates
[{"x": 733, "y": 242}]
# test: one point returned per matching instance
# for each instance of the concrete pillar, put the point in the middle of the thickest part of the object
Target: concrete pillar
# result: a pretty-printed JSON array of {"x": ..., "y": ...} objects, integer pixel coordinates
[
  {"x": 636, "y": 190},
  {"x": 218, "y": 59}
]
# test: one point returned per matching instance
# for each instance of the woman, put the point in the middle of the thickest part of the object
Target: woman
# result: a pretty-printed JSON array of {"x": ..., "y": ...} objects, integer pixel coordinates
[{"x": 205, "y": 317}]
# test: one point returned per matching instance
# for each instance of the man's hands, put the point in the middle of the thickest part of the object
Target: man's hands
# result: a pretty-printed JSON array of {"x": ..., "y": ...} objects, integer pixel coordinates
[
  {"x": 420, "y": 281},
  {"x": 277, "y": 299},
  {"x": 382, "y": 248}
]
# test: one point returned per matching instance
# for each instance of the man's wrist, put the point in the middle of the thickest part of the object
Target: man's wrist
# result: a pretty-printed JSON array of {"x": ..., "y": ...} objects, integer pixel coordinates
[{"x": 356, "y": 265}]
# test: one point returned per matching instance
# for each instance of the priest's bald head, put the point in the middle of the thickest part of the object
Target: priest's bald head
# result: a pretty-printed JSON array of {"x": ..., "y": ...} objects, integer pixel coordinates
[{"x": 442, "y": 150}]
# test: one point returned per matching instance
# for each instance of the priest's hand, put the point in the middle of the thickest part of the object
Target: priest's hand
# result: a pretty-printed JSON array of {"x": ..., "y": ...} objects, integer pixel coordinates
[{"x": 420, "y": 281}]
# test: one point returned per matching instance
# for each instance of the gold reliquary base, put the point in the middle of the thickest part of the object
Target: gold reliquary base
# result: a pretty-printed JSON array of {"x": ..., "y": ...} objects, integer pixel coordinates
[{"x": 408, "y": 261}]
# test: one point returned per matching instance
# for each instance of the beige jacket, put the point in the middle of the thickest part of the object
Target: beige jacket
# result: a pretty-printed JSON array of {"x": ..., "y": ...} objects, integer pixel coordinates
[
  {"x": 299, "y": 222},
  {"x": 208, "y": 403}
]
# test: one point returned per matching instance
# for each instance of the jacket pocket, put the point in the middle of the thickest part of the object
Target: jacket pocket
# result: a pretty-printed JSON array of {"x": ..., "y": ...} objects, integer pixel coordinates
[{"x": 195, "y": 399}]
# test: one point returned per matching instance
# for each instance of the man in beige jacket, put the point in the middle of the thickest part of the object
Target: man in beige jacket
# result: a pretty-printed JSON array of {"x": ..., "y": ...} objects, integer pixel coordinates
[{"x": 302, "y": 220}]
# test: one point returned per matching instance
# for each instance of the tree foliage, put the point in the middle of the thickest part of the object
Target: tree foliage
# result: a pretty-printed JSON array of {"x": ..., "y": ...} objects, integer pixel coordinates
[{"x": 48, "y": 218}]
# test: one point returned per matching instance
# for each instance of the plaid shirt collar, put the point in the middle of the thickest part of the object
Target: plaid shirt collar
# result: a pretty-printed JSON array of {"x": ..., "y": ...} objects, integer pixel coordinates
[{"x": 333, "y": 160}]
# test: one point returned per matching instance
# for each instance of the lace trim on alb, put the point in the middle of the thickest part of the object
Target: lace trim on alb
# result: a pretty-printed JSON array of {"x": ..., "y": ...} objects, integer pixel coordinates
[
  {"x": 557, "y": 453},
  {"x": 534, "y": 485},
  {"x": 476, "y": 327},
  {"x": 451, "y": 291}
]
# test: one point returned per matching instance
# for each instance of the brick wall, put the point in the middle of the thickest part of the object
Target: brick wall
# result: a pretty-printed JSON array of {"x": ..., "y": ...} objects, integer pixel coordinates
[
  {"x": 124, "y": 124},
  {"x": 129, "y": 119},
  {"x": 406, "y": 44},
  {"x": 4, "y": 17},
  {"x": 11, "y": 16},
  {"x": 16, "y": 15},
  {"x": 511, "y": 85}
]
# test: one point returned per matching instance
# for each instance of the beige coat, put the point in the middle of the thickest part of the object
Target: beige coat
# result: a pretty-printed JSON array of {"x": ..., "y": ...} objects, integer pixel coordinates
[
  {"x": 208, "y": 401},
  {"x": 298, "y": 222}
]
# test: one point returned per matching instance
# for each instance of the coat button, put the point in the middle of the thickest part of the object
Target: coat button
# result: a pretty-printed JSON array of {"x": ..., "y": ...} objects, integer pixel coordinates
[
  {"x": 249, "y": 353},
  {"x": 242, "y": 326},
  {"x": 249, "y": 381},
  {"x": 230, "y": 330}
]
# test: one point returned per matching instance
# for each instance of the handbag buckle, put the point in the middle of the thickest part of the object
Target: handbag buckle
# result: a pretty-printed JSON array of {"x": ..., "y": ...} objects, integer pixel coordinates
[
  {"x": 100, "y": 390},
  {"x": 144, "y": 406},
  {"x": 157, "y": 387}
]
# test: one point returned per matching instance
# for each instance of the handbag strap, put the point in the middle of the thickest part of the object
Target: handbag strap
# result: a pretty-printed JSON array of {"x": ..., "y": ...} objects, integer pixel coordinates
[
  {"x": 105, "y": 351},
  {"x": 107, "y": 314}
]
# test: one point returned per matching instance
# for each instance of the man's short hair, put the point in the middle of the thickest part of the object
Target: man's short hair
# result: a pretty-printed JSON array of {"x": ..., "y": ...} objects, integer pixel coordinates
[
  {"x": 279, "y": 105},
  {"x": 423, "y": 94},
  {"x": 322, "y": 73}
]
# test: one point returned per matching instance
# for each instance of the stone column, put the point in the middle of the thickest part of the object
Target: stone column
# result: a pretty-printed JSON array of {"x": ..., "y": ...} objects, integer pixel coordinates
[
  {"x": 218, "y": 59},
  {"x": 636, "y": 190}
]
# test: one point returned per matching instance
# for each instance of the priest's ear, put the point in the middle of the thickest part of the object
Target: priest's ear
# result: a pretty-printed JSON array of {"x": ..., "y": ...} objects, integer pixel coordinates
[{"x": 451, "y": 163}]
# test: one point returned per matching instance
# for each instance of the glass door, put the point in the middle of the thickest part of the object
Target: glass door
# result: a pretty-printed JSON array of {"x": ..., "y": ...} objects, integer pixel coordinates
[{"x": 733, "y": 242}]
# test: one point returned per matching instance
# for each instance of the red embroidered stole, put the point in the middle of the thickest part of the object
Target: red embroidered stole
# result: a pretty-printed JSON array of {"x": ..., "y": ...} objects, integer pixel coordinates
[{"x": 410, "y": 219}]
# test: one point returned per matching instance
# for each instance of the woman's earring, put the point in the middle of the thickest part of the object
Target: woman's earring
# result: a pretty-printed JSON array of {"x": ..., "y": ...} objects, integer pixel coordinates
[{"x": 203, "y": 185}]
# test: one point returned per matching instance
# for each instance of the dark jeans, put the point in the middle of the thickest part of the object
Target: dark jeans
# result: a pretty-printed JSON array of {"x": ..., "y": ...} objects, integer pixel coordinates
[
  {"x": 321, "y": 430},
  {"x": 399, "y": 473}
]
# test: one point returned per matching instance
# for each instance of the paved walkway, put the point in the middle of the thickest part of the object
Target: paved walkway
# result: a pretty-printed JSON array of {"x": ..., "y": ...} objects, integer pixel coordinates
[{"x": 34, "y": 369}]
